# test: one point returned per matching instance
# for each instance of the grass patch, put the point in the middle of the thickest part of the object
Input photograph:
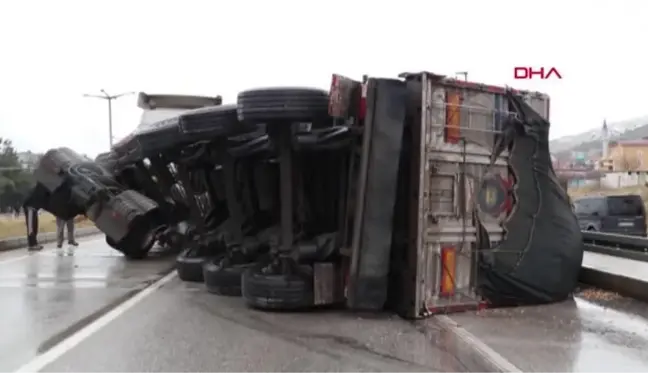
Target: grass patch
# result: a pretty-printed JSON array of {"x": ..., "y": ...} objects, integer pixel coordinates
[{"x": 16, "y": 227}]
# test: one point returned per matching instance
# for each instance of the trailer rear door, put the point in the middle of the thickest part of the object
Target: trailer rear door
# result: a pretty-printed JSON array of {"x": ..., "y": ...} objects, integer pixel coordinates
[{"x": 459, "y": 196}]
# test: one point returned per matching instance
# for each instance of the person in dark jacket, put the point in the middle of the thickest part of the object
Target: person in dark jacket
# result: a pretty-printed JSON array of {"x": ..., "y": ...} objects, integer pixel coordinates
[
  {"x": 36, "y": 199},
  {"x": 31, "y": 219}
]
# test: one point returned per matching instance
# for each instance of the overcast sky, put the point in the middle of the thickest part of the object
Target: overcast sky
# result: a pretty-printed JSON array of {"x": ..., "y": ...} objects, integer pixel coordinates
[{"x": 51, "y": 52}]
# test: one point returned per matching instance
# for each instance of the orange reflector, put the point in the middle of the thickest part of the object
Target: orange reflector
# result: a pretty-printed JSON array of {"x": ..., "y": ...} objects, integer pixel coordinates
[
  {"x": 448, "y": 270},
  {"x": 453, "y": 117}
]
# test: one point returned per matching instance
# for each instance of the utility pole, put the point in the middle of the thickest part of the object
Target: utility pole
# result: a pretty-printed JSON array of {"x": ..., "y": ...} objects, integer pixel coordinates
[{"x": 109, "y": 98}]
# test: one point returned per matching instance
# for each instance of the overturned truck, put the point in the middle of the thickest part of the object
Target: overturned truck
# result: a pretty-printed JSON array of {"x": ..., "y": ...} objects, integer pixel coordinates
[{"x": 423, "y": 194}]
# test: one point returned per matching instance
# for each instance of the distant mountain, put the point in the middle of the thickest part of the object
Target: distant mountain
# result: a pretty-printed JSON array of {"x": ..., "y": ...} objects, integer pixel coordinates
[{"x": 591, "y": 140}]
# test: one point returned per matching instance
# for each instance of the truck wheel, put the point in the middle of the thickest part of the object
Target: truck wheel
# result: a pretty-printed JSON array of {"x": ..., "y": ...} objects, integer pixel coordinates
[
  {"x": 110, "y": 242},
  {"x": 137, "y": 253},
  {"x": 133, "y": 253},
  {"x": 108, "y": 161},
  {"x": 211, "y": 122},
  {"x": 138, "y": 248},
  {"x": 131, "y": 213},
  {"x": 281, "y": 284},
  {"x": 223, "y": 274},
  {"x": 189, "y": 265},
  {"x": 283, "y": 104}
]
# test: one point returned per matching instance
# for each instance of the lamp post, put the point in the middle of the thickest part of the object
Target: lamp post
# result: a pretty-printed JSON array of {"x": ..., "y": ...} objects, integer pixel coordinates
[{"x": 109, "y": 98}]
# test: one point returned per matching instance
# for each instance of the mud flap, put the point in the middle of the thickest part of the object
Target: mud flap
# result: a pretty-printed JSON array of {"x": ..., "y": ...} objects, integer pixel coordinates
[{"x": 376, "y": 194}]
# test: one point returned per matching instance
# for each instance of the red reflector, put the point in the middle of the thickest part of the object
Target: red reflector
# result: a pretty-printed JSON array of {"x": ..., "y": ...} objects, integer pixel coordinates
[
  {"x": 448, "y": 270},
  {"x": 362, "y": 109},
  {"x": 334, "y": 98},
  {"x": 341, "y": 96},
  {"x": 453, "y": 117},
  {"x": 508, "y": 202}
]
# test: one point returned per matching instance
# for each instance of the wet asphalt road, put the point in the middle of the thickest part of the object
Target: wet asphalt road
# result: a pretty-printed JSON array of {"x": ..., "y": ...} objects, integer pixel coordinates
[
  {"x": 182, "y": 328},
  {"x": 595, "y": 332},
  {"x": 47, "y": 296}
]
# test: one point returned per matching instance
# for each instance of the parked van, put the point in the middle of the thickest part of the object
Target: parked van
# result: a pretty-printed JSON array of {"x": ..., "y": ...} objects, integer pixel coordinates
[{"x": 623, "y": 214}]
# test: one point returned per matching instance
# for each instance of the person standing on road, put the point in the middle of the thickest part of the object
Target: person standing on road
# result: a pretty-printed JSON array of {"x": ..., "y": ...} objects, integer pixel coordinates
[
  {"x": 36, "y": 199},
  {"x": 31, "y": 219},
  {"x": 60, "y": 230}
]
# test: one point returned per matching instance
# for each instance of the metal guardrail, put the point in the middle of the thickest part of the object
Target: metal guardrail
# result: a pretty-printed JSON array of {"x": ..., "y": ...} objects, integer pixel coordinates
[
  {"x": 633, "y": 243},
  {"x": 617, "y": 245},
  {"x": 617, "y": 252},
  {"x": 634, "y": 248}
]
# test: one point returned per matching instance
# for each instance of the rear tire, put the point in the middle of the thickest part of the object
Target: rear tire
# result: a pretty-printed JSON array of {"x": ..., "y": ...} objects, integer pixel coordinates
[
  {"x": 137, "y": 253},
  {"x": 189, "y": 266},
  {"x": 134, "y": 253},
  {"x": 223, "y": 274},
  {"x": 279, "y": 285},
  {"x": 110, "y": 242},
  {"x": 283, "y": 104}
]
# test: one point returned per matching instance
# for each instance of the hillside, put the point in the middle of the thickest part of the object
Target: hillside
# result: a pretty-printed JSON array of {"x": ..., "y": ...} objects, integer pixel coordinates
[{"x": 591, "y": 140}]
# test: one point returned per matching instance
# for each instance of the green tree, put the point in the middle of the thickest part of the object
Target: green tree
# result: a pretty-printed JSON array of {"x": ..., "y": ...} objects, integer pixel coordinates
[{"x": 15, "y": 182}]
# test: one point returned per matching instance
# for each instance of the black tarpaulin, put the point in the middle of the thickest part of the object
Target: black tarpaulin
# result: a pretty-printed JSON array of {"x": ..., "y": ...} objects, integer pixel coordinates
[{"x": 540, "y": 257}]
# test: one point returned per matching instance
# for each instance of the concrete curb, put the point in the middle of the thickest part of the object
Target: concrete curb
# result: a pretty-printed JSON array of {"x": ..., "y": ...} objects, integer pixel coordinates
[
  {"x": 19, "y": 242},
  {"x": 481, "y": 355},
  {"x": 619, "y": 253},
  {"x": 626, "y": 286}
]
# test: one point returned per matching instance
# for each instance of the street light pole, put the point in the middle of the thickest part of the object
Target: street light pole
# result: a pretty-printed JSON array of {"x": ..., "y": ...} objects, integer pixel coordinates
[
  {"x": 110, "y": 127},
  {"x": 109, "y": 98}
]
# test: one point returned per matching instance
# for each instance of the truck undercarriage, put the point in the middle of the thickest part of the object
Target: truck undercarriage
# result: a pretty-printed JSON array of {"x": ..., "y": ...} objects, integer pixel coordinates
[{"x": 421, "y": 194}]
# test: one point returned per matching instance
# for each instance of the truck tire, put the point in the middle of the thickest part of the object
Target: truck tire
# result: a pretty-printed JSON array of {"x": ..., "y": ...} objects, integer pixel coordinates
[
  {"x": 136, "y": 252},
  {"x": 266, "y": 285},
  {"x": 130, "y": 219},
  {"x": 211, "y": 122},
  {"x": 62, "y": 170},
  {"x": 108, "y": 161},
  {"x": 155, "y": 138},
  {"x": 283, "y": 104},
  {"x": 223, "y": 274},
  {"x": 130, "y": 253},
  {"x": 190, "y": 265},
  {"x": 110, "y": 242}
]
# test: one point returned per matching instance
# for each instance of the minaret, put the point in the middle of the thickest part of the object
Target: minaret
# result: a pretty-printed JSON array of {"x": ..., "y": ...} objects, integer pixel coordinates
[{"x": 605, "y": 140}]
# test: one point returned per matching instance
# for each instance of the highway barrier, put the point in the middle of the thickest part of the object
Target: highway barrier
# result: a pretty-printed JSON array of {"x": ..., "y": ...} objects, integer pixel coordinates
[
  {"x": 633, "y": 243},
  {"x": 617, "y": 252},
  {"x": 628, "y": 283}
]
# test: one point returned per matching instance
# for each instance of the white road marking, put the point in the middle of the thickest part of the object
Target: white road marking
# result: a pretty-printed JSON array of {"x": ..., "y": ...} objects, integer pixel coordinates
[
  {"x": 25, "y": 256},
  {"x": 46, "y": 249},
  {"x": 51, "y": 355},
  {"x": 15, "y": 259},
  {"x": 488, "y": 354}
]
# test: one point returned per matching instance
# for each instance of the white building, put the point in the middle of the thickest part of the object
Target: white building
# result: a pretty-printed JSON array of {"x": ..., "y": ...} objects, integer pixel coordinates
[{"x": 28, "y": 159}]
